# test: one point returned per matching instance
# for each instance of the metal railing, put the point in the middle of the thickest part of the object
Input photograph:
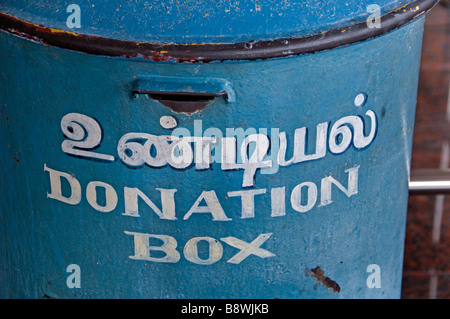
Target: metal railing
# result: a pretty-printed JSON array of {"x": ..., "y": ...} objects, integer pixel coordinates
[{"x": 429, "y": 181}]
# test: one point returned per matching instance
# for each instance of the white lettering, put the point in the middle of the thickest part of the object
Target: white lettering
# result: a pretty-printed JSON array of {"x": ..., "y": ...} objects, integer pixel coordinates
[
  {"x": 303, "y": 197},
  {"x": 142, "y": 248},
  {"x": 191, "y": 251},
  {"x": 212, "y": 206},
  {"x": 352, "y": 188},
  {"x": 55, "y": 187},
  {"x": 247, "y": 249},
  {"x": 300, "y": 136},
  {"x": 247, "y": 201},
  {"x": 83, "y": 133},
  {"x": 167, "y": 203},
  {"x": 110, "y": 196},
  {"x": 296, "y": 197},
  {"x": 137, "y": 149},
  {"x": 278, "y": 205}
]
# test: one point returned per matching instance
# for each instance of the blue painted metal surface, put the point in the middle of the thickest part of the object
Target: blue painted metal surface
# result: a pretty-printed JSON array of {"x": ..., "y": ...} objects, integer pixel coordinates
[{"x": 88, "y": 177}]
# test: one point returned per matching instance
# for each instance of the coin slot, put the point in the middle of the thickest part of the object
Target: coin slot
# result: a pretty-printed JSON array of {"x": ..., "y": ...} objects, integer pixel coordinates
[{"x": 182, "y": 102}]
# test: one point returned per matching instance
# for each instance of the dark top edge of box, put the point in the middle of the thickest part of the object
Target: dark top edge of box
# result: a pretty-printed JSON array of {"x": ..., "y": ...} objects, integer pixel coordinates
[{"x": 210, "y": 52}]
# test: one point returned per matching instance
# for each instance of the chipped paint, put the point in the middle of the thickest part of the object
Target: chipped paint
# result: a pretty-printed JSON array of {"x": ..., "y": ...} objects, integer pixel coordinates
[
  {"x": 216, "y": 51},
  {"x": 319, "y": 274},
  {"x": 44, "y": 29}
]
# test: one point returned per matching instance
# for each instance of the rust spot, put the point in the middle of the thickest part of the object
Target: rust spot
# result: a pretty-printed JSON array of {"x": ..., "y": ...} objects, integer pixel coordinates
[{"x": 319, "y": 274}]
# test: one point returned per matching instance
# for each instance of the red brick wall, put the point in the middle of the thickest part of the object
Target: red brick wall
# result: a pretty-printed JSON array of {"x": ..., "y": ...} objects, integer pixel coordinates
[{"x": 427, "y": 246}]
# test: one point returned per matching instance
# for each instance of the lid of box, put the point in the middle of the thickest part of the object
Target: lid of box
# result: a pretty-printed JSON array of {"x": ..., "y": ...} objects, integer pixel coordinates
[{"x": 205, "y": 30}]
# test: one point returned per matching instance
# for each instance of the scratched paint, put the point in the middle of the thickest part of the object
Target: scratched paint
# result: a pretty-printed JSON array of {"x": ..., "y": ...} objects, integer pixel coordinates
[
  {"x": 225, "y": 22},
  {"x": 328, "y": 35}
]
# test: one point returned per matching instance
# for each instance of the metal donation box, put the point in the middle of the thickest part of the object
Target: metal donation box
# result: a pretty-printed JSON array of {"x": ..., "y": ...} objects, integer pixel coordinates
[{"x": 215, "y": 149}]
